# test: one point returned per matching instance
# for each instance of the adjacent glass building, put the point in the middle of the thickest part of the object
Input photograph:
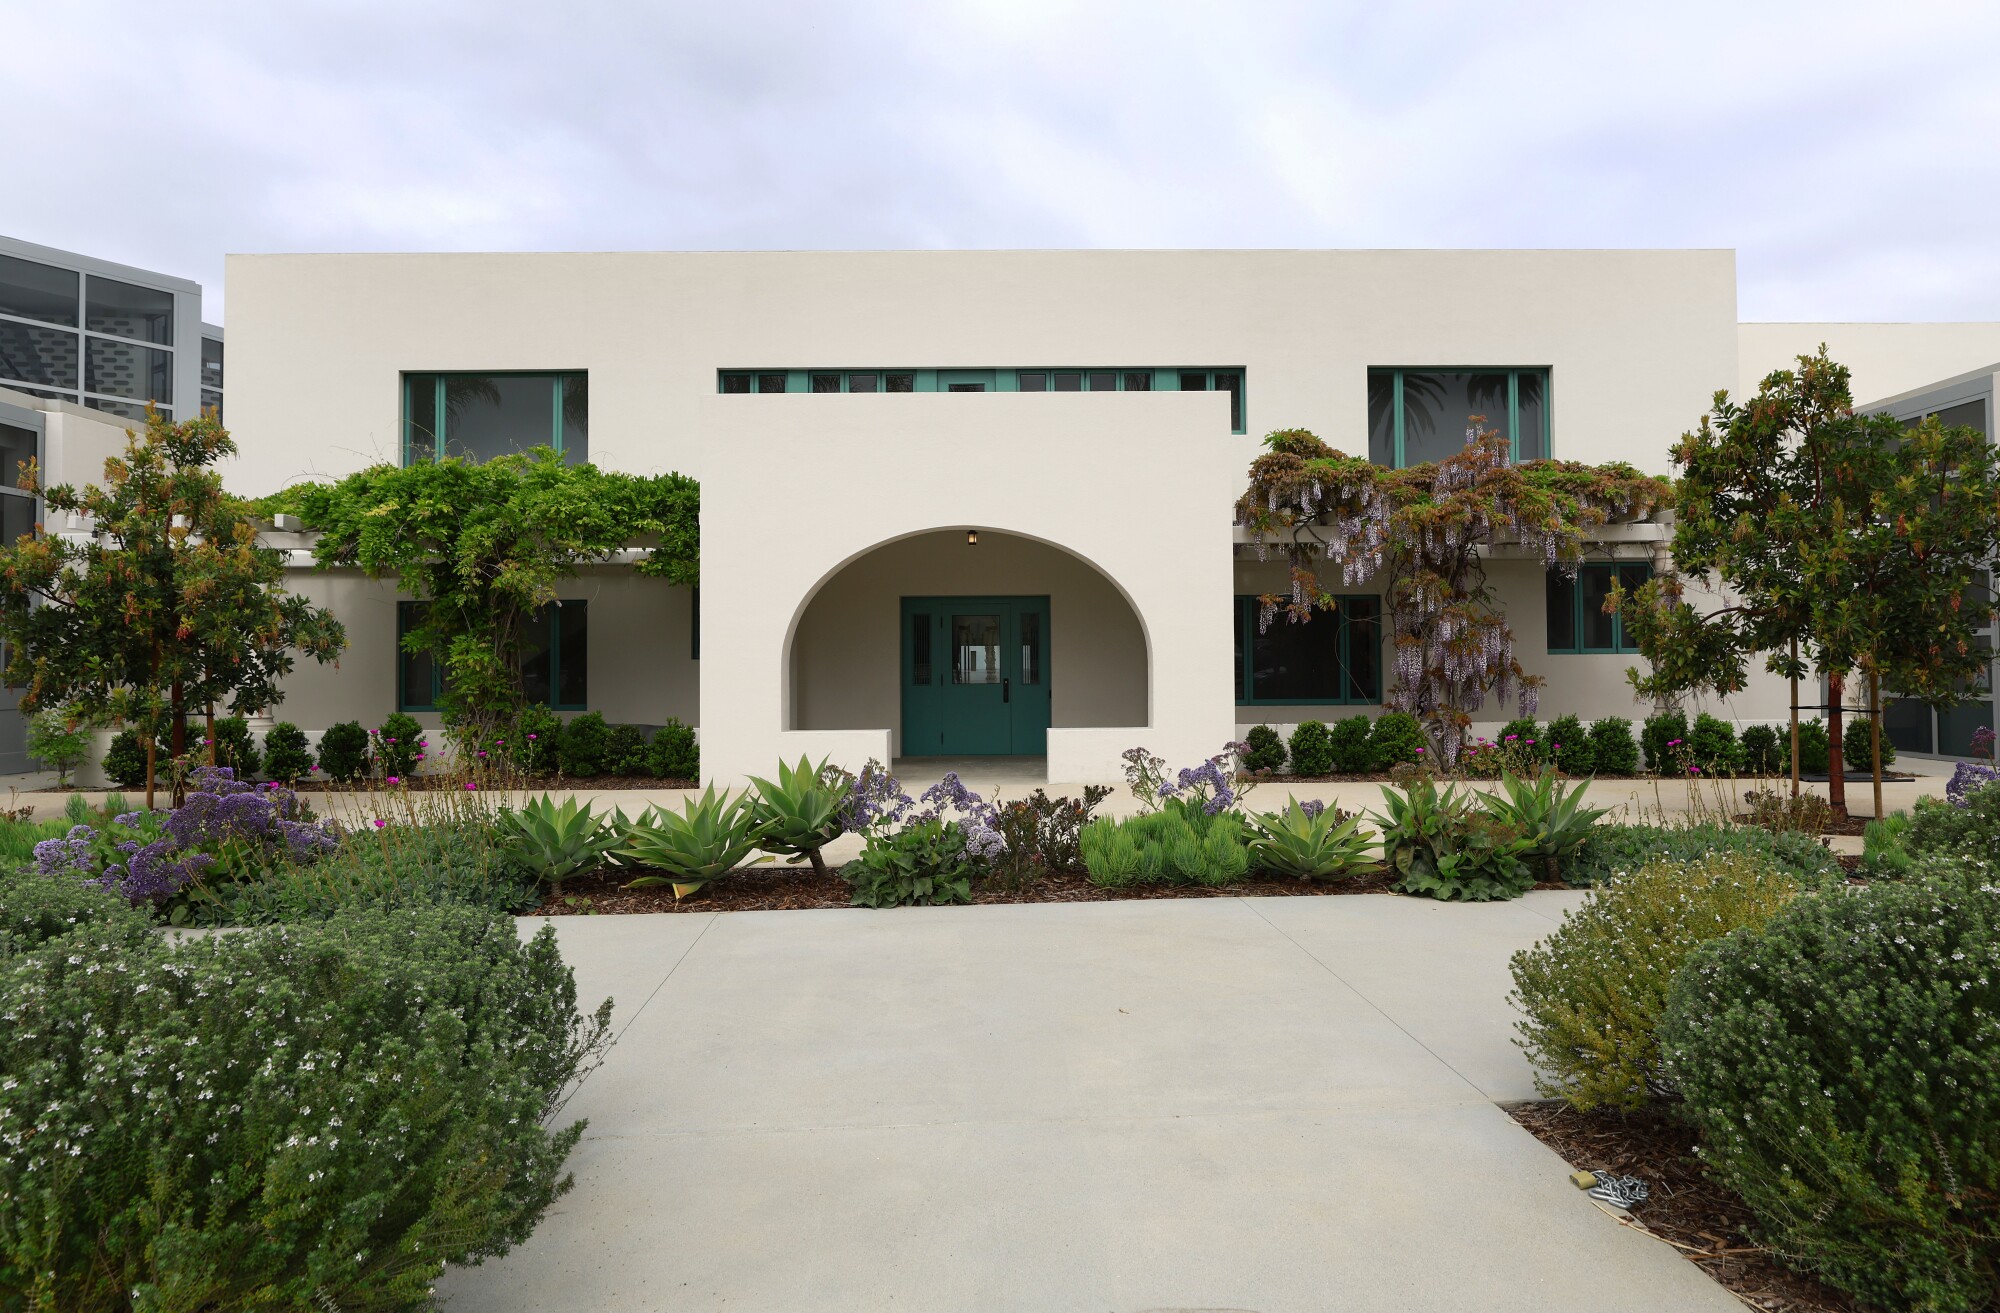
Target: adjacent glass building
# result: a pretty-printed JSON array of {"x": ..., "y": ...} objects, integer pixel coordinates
[{"x": 108, "y": 336}]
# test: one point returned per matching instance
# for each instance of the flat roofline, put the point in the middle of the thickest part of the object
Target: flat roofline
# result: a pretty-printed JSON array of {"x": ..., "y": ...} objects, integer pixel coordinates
[
  {"x": 1053, "y": 250},
  {"x": 1984, "y": 374},
  {"x": 90, "y": 264}
]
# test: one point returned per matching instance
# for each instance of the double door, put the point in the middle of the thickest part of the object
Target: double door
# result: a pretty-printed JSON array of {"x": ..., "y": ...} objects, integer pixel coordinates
[{"x": 975, "y": 676}]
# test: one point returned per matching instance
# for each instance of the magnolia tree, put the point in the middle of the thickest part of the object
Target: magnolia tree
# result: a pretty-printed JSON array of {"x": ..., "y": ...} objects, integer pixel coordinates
[
  {"x": 1423, "y": 534},
  {"x": 168, "y": 605},
  {"x": 1841, "y": 540}
]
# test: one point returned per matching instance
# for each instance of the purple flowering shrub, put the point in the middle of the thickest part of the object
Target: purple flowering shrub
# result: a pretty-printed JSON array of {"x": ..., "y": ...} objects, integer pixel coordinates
[
  {"x": 224, "y": 825},
  {"x": 1210, "y": 786},
  {"x": 876, "y": 804},
  {"x": 1970, "y": 775}
]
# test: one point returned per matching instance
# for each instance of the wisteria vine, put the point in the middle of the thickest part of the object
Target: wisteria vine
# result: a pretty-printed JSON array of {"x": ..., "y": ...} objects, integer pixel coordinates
[{"x": 1422, "y": 533}]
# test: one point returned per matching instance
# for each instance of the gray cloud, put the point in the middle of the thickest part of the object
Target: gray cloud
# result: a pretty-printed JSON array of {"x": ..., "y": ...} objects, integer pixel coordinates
[{"x": 1845, "y": 149}]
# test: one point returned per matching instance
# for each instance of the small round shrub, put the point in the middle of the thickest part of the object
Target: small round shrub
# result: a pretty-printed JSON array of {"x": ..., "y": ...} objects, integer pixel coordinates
[
  {"x": 1312, "y": 749},
  {"x": 1839, "y": 1067},
  {"x": 398, "y": 743},
  {"x": 1352, "y": 743},
  {"x": 625, "y": 751},
  {"x": 1593, "y": 992},
  {"x": 343, "y": 751},
  {"x": 58, "y": 741},
  {"x": 1857, "y": 745},
  {"x": 1664, "y": 735},
  {"x": 1613, "y": 750},
  {"x": 1267, "y": 750},
  {"x": 1712, "y": 746},
  {"x": 234, "y": 747},
  {"x": 1765, "y": 751},
  {"x": 1814, "y": 749},
  {"x": 1397, "y": 740},
  {"x": 674, "y": 753},
  {"x": 287, "y": 754},
  {"x": 583, "y": 745},
  {"x": 125, "y": 760},
  {"x": 535, "y": 742},
  {"x": 1569, "y": 746}
]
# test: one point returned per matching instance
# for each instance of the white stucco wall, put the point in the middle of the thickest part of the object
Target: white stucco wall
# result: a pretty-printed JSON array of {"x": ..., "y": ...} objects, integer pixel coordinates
[
  {"x": 1886, "y": 359},
  {"x": 1145, "y": 503}
]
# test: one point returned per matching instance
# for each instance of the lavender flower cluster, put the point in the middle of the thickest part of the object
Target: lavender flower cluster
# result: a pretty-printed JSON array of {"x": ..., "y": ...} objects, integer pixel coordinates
[
  {"x": 876, "y": 801},
  {"x": 975, "y": 816},
  {"x": 1210, "y": 786},
  {"x": 1970, "y": 776},
  {"x": 150, "y": 856}
]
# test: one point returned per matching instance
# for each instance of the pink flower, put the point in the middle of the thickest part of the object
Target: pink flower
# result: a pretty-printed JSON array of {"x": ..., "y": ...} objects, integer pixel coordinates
[
  {"x": 533, "y": 737},
  {"x": 420, "y": 756},
  {"x": 394, "y": 780},
  {"x": 1694, "y": 770},
  {"x": 1673, "y": 743},
  {"x": 1531, "y": 743},
  {"x": 388, "y": 740},
  {"x": 1419, "y": 749},
  {"x": 380, "y": 823},
  {"x": 471, "y": 787},
  {"x": 482, "y": 754},
  {"x": 1512, "y": 737}
]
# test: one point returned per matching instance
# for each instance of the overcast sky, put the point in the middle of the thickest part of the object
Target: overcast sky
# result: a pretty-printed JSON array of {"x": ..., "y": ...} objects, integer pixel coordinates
[{"x": 1850, "y": 152}]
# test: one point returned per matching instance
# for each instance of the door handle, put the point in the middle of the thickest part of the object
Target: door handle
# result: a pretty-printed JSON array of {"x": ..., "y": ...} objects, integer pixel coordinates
[{"x": 1006, "y": 687}]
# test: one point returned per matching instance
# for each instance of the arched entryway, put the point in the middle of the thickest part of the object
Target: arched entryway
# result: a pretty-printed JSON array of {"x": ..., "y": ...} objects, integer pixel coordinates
[{"x": 967, "y": 649}]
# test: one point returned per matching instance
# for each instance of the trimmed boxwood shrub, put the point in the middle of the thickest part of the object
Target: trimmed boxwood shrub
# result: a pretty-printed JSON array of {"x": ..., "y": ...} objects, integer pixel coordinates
[
  {"x": 125, "y": 760},
  {"x": 535, "y": 742},
  {"x": 1839, "y": 1067},
  {"x": 1712, "y": 745},
  {"x": 1613, "y": 750},
  {"x": 287, "y": 754},
  {"x": 301, "y": 1117},
  {"x": 1592, "y": 993},
  {"x": 625, "y": 751},
  {"x": 1312, "y": 749},
  {"x": 1569, "y": 746},
  {"x": 1664, "y": 735},
  {"x": 1396, "y": 740},
  {"x": 343, "y": 751},
  {"x": 235, "y": 748},
  {"x": 1352, "y": 743},
  {"x": 1766, "y": 751},
  {"x": 1266, "y": 750},
  {"x": 1524, "y": 736},
  {"x": 585, "y": 741},
  {"x": 1857, "y": 745},
  {"x": 674, "y": 753},
  {"x": 398, "y": 744}
]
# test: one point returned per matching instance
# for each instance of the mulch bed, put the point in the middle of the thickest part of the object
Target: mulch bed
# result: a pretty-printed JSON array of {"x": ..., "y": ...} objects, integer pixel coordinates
[
  {"x": 786, "y": 888},
  {"x": 543, "y": 783},
  {"x": 1852, "y": 825},
  {"x": 1705, "y": 1221}
]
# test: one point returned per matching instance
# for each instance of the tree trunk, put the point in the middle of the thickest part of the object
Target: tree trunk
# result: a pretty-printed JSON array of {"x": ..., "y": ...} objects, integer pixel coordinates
[
  {"x": 1836, "y": 757},
  {"x": 152, "y": 750},
  {"x": 1795, "y": 718},
  {"x": 179, "y": 713},
  {"x": 209, "y": 717},
  {"x": 1875, "y": 729}
]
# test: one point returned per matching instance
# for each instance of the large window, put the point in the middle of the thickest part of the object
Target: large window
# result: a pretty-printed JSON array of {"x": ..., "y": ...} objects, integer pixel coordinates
[
  {"x": 1577, "y": 619},
  {"x": 1333, "y": 658},
  {"x": 17, "y": 505},
  {"x": 83, "y": 337},
  {"x": 555, "y": 659},
  {"x": 480, "y": 416},
  {"x": 1418, "y": 415},
  {"x": 744, "y": 382}
]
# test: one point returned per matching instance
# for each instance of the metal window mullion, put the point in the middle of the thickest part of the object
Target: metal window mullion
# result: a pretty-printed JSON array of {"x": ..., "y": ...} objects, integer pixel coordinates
[
  {"x": 555, "y": 412},
  {"x": 1396, "y": 404}
]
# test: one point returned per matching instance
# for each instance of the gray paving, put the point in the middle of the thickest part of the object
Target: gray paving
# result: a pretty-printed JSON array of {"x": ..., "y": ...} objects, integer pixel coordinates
[{"x": 1233, "y": 1104}]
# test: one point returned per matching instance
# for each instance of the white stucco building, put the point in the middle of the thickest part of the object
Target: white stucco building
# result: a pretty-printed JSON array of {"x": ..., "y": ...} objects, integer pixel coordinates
[{"x": 855, "y": 419}]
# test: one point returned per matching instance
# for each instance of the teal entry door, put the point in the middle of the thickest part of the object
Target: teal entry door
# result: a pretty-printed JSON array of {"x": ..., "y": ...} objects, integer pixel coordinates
[{"x": 975, "y": 676}]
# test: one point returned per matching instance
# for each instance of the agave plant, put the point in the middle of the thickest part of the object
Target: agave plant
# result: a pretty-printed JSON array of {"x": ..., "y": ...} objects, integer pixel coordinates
[
  {"x": 706, "y": 838},
  {"x": 555, "y": 840},
  {"x": 799, "y": 813},
  {"x": 1309, "y": 841},
  {"x": 1549, "y": 816}
]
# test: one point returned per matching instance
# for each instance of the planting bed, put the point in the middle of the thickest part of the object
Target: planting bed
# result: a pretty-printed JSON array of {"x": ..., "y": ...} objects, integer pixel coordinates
[
  {"x": 763, "y": 889},
  {"x": 1702, "y": 1219}
]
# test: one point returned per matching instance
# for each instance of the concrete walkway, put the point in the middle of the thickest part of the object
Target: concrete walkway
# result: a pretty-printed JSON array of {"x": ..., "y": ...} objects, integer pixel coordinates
[{"x": 1283, "y": 1105}]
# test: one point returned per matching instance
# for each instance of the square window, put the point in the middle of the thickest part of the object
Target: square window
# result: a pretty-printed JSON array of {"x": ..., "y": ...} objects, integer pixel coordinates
[
  {"x": 128, "y": 310},
  {"x": 770, "y": 382},
  {"x": 1194, "y": 380},
  {"x": 38, "y": 291},
  {"x": 32, "y": 354},
  {"x": 1137, "y": 380},
  {"x": 1069, "y": 382},
  {"x": 826, "y": 382},
  {"x": 902, "y": 382},
  {"x": 861, "y": 382},
  {"x": 127, "y": 370},
  {"x": 736, "y": 385},
  {"x": 1034, "y": 382},
  {"x": 1103, "y": 380}
]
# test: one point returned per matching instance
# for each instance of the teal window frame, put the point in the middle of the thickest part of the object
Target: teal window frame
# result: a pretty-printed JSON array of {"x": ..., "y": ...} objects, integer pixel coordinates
[
  {"x": 1158, "y": 379},
  {"x": 410, "y": 381},
  {"x": 1573, "y": 586},
  {"x": 1248, "y": 607},
  {"x": 406, "y": 614},
  {"x": 1513, "y": 373},
  {"x": 548, "y": 616}
]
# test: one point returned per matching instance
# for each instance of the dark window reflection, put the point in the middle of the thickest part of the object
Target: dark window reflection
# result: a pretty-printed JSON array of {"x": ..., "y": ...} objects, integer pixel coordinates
[
  {"x": 38, "y": 291},
  {"x": 128, "y": 310},
  {"x": 126, "y": 370},
  {"x": 47, "y": 356}
]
